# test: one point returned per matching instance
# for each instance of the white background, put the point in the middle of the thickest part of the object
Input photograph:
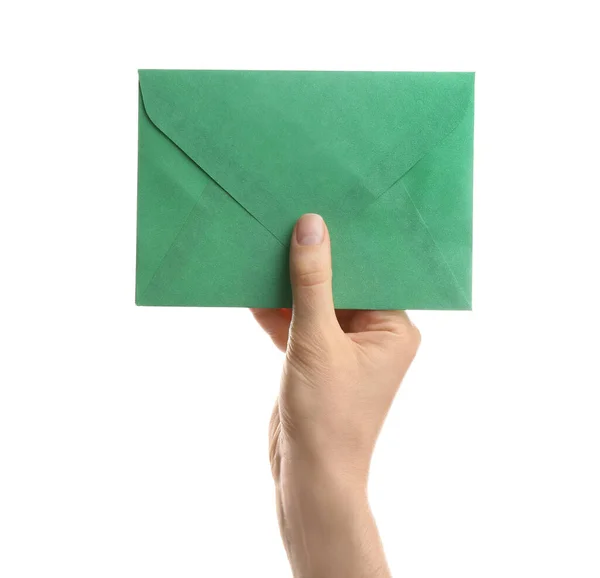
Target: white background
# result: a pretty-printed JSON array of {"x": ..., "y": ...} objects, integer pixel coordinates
[{"x": 133, "y": 440}]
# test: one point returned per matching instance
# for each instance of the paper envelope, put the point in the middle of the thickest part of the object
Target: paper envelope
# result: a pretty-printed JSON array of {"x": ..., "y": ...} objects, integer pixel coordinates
[{"x": 229, "y": 160}]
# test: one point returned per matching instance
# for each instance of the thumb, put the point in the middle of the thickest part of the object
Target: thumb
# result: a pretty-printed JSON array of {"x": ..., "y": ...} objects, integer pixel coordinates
[{"x": 310, "y": 273}]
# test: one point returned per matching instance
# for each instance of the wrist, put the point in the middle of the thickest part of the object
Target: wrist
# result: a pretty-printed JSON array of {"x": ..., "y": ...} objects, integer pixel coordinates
[
  {"x": 326, "y": 485},
  {"x": 309, "y": 506},
  {"x": 332, "y": 470},
  {"x": 323, "y": 517}
]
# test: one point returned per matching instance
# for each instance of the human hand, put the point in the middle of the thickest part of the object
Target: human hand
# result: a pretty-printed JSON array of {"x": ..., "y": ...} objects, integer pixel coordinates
[{"x": 341, "y": 373}]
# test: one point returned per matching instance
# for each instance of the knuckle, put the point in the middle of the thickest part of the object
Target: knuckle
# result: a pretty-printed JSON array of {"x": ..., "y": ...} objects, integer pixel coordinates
[
  {"x": 409, "y": 337},
  {"x": 416, "y": 335},
  {"x": 415, "y": 343},
  {"x": 312, "y": 278}
]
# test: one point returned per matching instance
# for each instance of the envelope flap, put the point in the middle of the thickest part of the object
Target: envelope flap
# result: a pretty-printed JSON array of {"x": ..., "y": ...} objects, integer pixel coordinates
[{"x": 286, "y": 143}]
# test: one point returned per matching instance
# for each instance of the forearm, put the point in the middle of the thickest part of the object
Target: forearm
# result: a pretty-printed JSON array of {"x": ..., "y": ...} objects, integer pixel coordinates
[{"x": 328, "y": 528}]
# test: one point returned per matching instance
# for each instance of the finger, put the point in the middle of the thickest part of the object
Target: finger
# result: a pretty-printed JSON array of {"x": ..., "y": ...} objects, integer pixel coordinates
[
  {"x": 276, "y": 324},
  {"x": 392, "y": 321},
  {"x": 310, "y": 273}
]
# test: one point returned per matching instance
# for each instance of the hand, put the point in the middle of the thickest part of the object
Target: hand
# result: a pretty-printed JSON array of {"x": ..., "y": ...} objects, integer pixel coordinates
[{"x": 341, "y": 373}]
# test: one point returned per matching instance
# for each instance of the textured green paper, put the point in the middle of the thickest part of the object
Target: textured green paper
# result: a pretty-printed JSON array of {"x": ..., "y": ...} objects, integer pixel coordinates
[{"x": 228, "y": 161}]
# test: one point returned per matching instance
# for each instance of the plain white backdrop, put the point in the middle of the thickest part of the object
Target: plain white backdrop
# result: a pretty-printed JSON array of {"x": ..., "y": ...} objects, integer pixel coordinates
[{"x": 133, "y": 440}]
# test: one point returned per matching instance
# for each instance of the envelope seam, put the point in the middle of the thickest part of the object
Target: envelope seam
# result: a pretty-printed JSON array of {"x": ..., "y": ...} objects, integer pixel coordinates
[
  {"x": 163, "y": 132},
  {"x": 446, "y": 264},
  {"x": 389, "y": 157},
  {"x": 169, "y": 250}
]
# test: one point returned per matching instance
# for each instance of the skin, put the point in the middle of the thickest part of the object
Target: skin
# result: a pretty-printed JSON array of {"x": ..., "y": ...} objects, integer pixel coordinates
[{"x": 342, "y": 370}]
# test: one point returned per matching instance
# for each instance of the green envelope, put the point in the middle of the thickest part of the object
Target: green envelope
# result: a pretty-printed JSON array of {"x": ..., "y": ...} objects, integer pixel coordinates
[{"x": 228, "y": 161}]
